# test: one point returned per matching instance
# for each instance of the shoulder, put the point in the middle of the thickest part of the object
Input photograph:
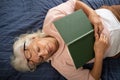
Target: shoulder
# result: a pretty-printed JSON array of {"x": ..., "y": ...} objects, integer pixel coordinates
[{"x": 61, "y": 10}]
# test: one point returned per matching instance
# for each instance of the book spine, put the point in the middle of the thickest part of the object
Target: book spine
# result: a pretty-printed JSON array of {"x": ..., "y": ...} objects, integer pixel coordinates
[{"x": 81, "y": 37}]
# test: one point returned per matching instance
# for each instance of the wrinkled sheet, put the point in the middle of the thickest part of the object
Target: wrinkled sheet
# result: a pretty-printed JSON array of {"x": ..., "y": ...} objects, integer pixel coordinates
[
  {"x": 21, "y": 16},
  {"x": 17, "y": 17}
]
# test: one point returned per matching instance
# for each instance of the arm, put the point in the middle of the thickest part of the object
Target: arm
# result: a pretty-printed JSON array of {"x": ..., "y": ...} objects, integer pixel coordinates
[
  {"x": 93, "y": 17},
  {"x": 100, "y": 46},
  {"x": 86, "y": 8},
  {"x": 97, "y": 68}
]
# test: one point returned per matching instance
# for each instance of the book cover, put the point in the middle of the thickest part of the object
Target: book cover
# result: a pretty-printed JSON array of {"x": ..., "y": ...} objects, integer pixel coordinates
[{"x": 77, "y": 32}]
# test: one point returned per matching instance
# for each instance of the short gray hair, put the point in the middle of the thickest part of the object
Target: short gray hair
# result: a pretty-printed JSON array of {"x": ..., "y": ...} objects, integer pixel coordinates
[{"x": 18, "y": 60}]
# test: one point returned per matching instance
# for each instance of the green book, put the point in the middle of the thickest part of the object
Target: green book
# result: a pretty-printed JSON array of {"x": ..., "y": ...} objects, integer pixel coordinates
[{"x": 77, "y": 32}]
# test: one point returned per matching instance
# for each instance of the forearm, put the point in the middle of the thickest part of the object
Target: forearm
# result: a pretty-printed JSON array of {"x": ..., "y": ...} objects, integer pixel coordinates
[
  {"x": 97, "y": 68},
  {"x": 84, "y": 7},
  {"x": 100, "y": 46}
]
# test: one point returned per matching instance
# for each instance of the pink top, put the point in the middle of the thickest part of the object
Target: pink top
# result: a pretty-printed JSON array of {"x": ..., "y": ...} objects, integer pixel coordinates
[{"x": 62, "y": 60}]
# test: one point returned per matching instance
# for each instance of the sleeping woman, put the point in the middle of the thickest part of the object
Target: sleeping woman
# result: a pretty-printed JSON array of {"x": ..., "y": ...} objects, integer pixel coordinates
[{"x": 47, "y": 45}]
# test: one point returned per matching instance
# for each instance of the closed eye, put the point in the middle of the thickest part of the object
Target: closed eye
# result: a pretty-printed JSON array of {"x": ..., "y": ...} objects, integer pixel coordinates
[{"x": 38, "y": 49}]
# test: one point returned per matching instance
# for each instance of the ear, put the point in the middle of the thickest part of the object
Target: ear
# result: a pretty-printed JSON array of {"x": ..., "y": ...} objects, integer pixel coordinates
[{"x": 33, "y": 37}]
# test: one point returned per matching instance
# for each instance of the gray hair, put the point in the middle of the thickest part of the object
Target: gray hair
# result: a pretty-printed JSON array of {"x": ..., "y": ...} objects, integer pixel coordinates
[{"x": 18, "y": 60}]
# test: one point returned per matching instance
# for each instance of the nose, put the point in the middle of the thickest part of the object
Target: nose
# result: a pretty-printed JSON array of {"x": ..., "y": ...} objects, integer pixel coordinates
[{"x": 43, "y": 53}]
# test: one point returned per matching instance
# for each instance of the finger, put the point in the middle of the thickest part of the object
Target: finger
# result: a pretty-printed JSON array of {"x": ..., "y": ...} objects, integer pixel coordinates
[
  {"x": 96, "y": 36},
  {"x": 104, "y": 38},
  {"x": 101, "y": 36},
  {"x": 96, "y": 30},
  {"x": 100, "y": 25},
  {"x": 100, "y": 28}
]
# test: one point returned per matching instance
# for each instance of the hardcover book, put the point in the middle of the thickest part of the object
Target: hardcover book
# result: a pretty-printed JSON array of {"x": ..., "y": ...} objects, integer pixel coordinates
[{"x": 78, "y": 34}]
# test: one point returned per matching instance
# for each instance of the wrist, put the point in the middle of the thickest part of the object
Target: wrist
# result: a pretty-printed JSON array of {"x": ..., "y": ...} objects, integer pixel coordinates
[
  {"x": 99, "y": 56},
  {"x": 92, "y": 13}
]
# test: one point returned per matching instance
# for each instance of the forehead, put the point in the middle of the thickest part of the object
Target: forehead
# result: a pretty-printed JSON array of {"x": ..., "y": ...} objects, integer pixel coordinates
[
  {"x": 36, "y": 41},
  {"x": 30, "y": 43}
]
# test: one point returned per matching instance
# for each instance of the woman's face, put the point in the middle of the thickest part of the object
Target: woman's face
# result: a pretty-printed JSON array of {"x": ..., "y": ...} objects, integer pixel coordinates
[{"x": 40, "y": 49}]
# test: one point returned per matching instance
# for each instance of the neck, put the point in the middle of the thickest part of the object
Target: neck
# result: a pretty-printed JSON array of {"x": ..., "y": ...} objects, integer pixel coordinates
[{"x": 56, "y": 44}]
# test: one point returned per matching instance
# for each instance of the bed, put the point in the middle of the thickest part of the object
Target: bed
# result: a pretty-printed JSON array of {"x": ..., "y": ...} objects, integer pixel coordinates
[{"x": 21, "y": 16}]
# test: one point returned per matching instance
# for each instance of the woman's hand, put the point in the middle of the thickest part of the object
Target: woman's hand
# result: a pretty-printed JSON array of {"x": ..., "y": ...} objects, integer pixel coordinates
[
  {"x": 95, "y": 20},
  {"x": 100, "y": 45},
  {"x": 92, "y": 15}
]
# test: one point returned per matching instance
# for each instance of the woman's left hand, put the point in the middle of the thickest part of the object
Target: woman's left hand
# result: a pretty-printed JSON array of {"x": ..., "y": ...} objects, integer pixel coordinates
[{"x": 95, "y": 20}]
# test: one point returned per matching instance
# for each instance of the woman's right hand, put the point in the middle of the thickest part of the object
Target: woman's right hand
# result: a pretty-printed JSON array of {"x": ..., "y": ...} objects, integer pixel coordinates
[
  {"x": 101, "y": 44},
  {"x": 96, "y": 21}
]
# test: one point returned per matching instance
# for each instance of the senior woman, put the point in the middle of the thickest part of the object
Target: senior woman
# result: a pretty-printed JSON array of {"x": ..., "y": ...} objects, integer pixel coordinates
[{"x": 32, "y": 49}]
